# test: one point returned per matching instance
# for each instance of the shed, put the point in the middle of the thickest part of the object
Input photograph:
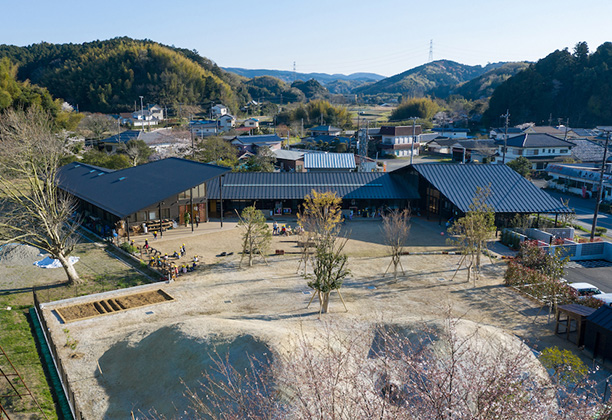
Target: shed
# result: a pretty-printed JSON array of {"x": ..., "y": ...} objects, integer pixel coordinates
[
  {"x": 598, "y": 334},
  {"x": 571, "y": 321}
]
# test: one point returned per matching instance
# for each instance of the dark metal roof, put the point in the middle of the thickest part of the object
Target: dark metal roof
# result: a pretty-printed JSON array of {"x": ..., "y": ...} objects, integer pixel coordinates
[
  {"x": 127, "y": 191},
  {"x": 536, "y": 140},
  {"x": 296, "y": 185},
  {"x": 602, "y": 317},
  {"x": 123, "y": 137},
  {"x": 510, "y": 192},
  {"x": 262, "y": 139},
  {"x": 587, "y": 150}
]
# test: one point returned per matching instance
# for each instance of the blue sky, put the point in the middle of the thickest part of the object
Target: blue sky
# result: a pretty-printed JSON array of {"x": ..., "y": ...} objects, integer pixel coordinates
[{"x": 333, "y": 36}]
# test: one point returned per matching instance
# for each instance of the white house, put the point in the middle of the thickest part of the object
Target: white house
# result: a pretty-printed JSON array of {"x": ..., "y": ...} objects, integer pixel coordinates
[
  {"x": 452, "y": 132},
  {"x": 204, "y": 128},
  {"x": 539, "y": 149},
  {"x": 400, "y": 140},
  {"x": 251, "y": 122},
  {"x": 219, "y": 110}
]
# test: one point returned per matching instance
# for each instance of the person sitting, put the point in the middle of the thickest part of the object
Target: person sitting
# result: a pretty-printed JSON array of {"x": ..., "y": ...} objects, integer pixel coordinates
[
  {"x": 176, "y": 255},
  {"x": 283, "y": 230},
  {"x": 195, "y": 258}
]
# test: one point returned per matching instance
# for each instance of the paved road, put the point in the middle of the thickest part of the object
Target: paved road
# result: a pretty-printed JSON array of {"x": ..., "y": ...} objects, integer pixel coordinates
[
  {"x": 584, "y": 209},
  {"x": 600, "y": 277}
]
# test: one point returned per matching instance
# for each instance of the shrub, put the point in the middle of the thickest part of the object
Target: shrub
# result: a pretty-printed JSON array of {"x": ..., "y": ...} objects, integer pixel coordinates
[
  {"x": 128, "y": 248},
  {"x": 600, "y": 230}
]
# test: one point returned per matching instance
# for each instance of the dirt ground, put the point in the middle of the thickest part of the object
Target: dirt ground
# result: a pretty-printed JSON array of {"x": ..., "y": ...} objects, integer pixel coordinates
[{"x": 143, "y": 358}]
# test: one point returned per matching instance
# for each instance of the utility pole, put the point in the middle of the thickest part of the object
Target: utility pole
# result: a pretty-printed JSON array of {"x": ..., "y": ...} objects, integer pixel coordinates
[
  {"x": 142, "y": 114},
  {"x": 413, "y": 137},
  {"x": 506, "y": 116},
  {"x": 566, "y": 129},
  {"x": 600, "y": 188}
]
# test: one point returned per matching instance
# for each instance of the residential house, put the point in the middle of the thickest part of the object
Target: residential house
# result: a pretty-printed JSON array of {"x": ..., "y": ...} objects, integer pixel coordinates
[
  {"x": 218, "y": 111},
  {"x": 156, "y": 111},
  {"x": 113, "y": 143},
  {"x": 586, "y": 151},
  {"x": 251, "y": 123},
  {"x": 326, "y": 130},
  {"x": 540, "y": 149},
  {"x": 252, "y": 143},
  {"x": 289, "y": 160},
  {"x": 467, "y": 150},
  {"x": 329, "y": 162},
  {"x": 226, "y": 122},
  {"x": 500, "y": 133},
  {"x": 204, "y": 128},
  {"x": 553, "y": 131},
  {"x": 452, "y": 132},
  {"x": 399, "y": 140}
]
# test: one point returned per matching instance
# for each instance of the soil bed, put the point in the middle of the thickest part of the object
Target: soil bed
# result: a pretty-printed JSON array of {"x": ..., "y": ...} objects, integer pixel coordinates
[{"x": 108, "y": 306}]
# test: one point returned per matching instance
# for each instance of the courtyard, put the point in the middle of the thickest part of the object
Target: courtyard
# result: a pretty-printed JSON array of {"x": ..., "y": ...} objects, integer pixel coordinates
[{"x": 143, "y": 359}]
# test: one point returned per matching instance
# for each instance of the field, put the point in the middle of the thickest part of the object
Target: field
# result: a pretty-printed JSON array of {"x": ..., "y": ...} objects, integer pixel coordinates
[{"x": 142, "y": 359}]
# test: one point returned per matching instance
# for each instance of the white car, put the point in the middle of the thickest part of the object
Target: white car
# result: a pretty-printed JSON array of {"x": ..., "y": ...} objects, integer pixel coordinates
[
  {"x": 606, "y": 298},
  {"x": 585, "y": 289}
]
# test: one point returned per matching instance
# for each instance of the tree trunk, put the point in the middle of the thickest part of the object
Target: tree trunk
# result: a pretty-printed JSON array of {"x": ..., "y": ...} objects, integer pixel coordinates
[
  {"x": 73, "y": 277},
  {"x": 324, "y": 302}
]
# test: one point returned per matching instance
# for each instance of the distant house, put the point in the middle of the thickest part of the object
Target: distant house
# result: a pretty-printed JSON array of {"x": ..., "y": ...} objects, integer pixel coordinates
[
  {"x": 553, "y": 131},
  {"x": 452, "y": 132},
  {"x": 142, "y": 118},
  {"x": 113, "y": 143},
  {"x": 583, "y": 133},
  {"x": 156, "y": 111},
  {"x": 539, "y": 149},
  {"x": 289, "y": 160},
  {"x": 226, "y": 122},
  {"x": 251, "y": 122},
  {"x": 252, "y": 143},
  {"x": 467, "y": 150},
  {"x": 329, "y": 162},
  {"x": 500, "y": 133},
  {"x": 218, "y": 110},
  {"x": 204, "y": 128},
  {"x": 400, "y": 140},
  {"x": 327, "y": 130}
]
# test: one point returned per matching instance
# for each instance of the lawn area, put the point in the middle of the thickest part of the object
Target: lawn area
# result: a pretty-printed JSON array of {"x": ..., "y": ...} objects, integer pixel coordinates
[{"x": 101, "y": 272}]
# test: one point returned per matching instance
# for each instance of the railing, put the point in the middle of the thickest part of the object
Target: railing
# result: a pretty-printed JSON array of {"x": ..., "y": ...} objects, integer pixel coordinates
[{"x": 76, "y": 412}]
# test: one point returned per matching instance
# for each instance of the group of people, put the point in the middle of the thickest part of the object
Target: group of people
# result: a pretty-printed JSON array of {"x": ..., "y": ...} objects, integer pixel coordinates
[{"x": 285, "y": 230}]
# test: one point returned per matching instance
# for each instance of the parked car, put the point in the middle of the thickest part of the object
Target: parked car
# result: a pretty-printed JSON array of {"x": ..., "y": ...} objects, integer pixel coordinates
[
  {"x": 585, "y": 289},
  {"x": 606, "y": 298}
]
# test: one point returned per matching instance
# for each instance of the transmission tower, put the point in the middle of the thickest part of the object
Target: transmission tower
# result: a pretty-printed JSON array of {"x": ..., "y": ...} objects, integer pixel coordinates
[
  {"x": 294, "y": 72},
  {"x": 430, "y": 50}
]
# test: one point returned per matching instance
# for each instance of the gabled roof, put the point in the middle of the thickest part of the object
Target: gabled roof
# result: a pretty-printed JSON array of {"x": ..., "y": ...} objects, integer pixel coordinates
[
  {"x": 536, "y": 141},
  {"x": 127, "y": 191},
  {"x": 329, "y": 161},
  {"x": 546, "y": 129},
  {"x": 123, "y": 137},
  {"x": 296, "y": 185},
  {"x": 510, "y": 192},
  {"x": 602, "y": 317},
  {"x": 259, "y": 140},
  {"x": 583, "y": 132},
  {"x": 402, "y": 130}
]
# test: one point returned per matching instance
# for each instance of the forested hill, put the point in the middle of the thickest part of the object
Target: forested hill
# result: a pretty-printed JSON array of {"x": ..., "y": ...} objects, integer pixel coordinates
[
  {"x": 484, "y": 85},
  {"x": 109, "y": 76},
  {"x": 575, "y": 85},
  {"x": 436, "y": 78}
]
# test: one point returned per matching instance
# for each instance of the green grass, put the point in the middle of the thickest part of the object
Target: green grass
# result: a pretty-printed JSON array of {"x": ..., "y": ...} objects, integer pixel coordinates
[
  {"x": 17, "y": 341},
  {"x": 16, "y": 335}
]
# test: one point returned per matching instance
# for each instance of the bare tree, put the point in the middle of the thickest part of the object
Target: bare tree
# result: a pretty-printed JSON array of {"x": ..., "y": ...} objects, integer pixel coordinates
[
  {"x": 34, "y": 211},
  {"x": 320, "y": 217},
  {"x": 137, "y": 151},
  {"x": 472, "y": 231},
  {"x": 396, "y": 227},
  {"x": 453, "y": 369},
  {"x": 256, "y": 237},
  {"x": 95, "y": 126}
]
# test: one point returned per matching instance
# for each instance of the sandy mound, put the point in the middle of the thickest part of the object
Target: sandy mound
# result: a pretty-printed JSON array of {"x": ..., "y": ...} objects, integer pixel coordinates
[{"x": 18, "y": 254}]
